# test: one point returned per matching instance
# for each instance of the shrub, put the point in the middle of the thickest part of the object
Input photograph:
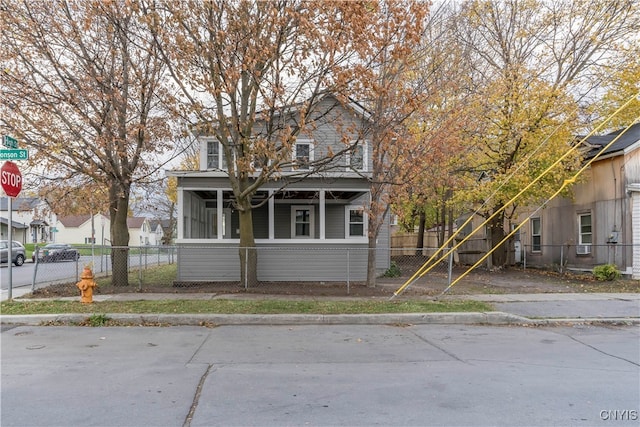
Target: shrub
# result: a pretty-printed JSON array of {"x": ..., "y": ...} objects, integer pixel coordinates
[
  {"x": 393, "y": 271},
  {"x": 606, "y": 272}
]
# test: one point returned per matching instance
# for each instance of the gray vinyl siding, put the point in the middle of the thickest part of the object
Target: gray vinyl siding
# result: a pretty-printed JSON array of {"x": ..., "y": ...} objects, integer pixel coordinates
[
  {"x": 335, "y": 220},
  {"x": 383, "y": 252},
  {"x": 320, "y": 263},
  {"x": 260, "y": 218},
  {"x": 208, "y": 263},
  {"x": 282, "y": 262},
  {"x": 282, "y": 226}
]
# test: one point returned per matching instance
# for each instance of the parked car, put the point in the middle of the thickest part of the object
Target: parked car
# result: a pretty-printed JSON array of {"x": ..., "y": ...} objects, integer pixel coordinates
[
  {"x": 17, "y": 252},
  {"x": 56, "y": 252}
]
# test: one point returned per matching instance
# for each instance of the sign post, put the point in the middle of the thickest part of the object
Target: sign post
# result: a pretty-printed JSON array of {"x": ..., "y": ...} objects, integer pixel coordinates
[{"x": 11, "y": 181}]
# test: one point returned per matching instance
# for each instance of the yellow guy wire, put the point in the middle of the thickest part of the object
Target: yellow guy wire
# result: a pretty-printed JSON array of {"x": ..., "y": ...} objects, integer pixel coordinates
[
  {"x": 554, "y": 195},
  {"x": 424, "y": 269}
]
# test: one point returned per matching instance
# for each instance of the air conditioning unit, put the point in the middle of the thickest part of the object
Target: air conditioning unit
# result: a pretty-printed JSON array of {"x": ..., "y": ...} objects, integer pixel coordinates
[{"x": 583, "y": 249}]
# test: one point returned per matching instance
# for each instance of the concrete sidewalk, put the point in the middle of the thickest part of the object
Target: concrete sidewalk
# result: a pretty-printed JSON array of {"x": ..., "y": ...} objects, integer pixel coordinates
[{"x": 510, "y": 309}]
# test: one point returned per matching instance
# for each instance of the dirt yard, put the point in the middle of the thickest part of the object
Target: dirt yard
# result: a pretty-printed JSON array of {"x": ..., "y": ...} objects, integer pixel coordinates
[{"x": 513, "y": 280}]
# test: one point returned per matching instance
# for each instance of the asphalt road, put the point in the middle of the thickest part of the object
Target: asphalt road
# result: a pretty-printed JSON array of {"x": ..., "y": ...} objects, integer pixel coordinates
[{"x": 351, "y": 375}]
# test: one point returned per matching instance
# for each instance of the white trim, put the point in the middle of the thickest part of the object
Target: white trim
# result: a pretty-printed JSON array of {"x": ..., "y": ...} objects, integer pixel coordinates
[
  {"x": 220, "y": 214},
  {"x": 311, "y": 209},
  {"x": 267, "y": 242},
  {"x": 180, "y": 222},
  {"x": 539, "y": 234},
  {"x": 580, "y": 233},
  {"x": 271, "y": 216},
  {"x": 323, "y": 217}
]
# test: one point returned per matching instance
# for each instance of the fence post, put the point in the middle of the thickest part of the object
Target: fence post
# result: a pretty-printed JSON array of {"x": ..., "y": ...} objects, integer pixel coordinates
[
  {"x": 450, "y": 267},
  {"x": 561, "y": 259},
  {"x": 246, "y": 268},
  {"x": 140, "y": 268},
  {"x": 35, "y": 269}
]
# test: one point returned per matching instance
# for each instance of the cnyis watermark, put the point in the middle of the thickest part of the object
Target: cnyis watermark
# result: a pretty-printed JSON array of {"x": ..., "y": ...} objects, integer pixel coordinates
[{"x": 619, "y": 415}]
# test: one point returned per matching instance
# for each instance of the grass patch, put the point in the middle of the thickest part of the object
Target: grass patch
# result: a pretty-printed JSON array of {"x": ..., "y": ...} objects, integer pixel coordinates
[
  {"x": 158, "y": 275},
  {"x": 242, "y": 307}
]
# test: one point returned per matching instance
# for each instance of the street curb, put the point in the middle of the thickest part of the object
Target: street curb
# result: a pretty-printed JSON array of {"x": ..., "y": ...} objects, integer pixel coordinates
[{"x": 488, "y": 318}]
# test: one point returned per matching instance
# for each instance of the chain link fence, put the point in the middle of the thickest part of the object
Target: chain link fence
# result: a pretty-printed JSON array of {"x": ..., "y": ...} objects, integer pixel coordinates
[
  {"x": 64, "y": 264},
  {"x": 291, "y": 269}
]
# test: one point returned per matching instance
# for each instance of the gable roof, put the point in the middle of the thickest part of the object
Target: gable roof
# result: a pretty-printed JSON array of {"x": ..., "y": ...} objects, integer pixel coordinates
[
  {"x": 623, "y": 143},
  {"x": 74, "y": 220},
  {"x": 136, "y": 221}
]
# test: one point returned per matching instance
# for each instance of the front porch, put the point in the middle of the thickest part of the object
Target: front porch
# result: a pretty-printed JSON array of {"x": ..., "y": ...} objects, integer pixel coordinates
[{"x": 305, "y": 232}]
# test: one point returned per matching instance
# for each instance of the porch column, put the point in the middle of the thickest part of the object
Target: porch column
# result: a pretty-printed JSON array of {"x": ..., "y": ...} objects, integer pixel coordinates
[
  {"x": 271, "y": 206},
  {"x": 322, "y": 215},
  {"x": 180, "y": 222},
  {"x": 219, "y": 212}
]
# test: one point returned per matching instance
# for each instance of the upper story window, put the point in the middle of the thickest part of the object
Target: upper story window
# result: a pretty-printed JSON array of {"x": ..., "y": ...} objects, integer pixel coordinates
[
  {"x": 303, "y": 154},
  {"x": 357, "y": 157},
  {"x": 215, "y": 156}
]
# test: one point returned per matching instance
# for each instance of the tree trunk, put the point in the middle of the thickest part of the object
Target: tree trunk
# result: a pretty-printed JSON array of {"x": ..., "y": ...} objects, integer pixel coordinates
[
  {"x": 421, "y": 226},
  {"x": 496, "y": 227},
  {"x": 247, "y": 251},
  {"x": 371, "y": 262},
  {"x": 118, "y": 211}
]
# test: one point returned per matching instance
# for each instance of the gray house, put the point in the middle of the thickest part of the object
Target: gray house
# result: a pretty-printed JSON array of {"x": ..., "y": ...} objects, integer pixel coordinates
[
  {"x": 601, "y": 223},
  {"x": 309, "y": 224}
]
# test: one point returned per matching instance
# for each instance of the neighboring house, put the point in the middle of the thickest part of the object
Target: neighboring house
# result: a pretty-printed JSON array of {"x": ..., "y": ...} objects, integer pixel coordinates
[
  {"x": 139, "y": 231},
  {"x": 160, "y": 231},
  {"x": 80, "y": 229},
  {"x": 601, "y": 223},
  {"x": 32, "y": 219},
  {"x": 317, "y": 218}
]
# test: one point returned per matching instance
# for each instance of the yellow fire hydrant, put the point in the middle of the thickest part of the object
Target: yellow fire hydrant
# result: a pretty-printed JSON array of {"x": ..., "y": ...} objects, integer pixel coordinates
[{"x": 86, "y": 285}]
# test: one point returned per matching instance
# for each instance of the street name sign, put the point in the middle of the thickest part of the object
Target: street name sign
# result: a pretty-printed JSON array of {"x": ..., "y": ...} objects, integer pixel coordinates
[
  {"x": 9, "y": 142},
  {"x": 14, "y": 154}
]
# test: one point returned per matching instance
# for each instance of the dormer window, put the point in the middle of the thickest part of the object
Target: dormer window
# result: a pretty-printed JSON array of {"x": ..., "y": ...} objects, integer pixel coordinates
[{"x": 303, "y": 154}]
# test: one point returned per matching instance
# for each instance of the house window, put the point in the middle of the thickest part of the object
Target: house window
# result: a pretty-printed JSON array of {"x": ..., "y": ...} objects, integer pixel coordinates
[
  {"x": 536, "y": 235},
  {"x": 585, "y": 234},
  {"x": 355, "y": 222},
  {"x": 302, "y": 221},
  {"x": 215, "y": 156},
  {"x": 356, "y": 158},
  {"x": 303, "y": 154}
]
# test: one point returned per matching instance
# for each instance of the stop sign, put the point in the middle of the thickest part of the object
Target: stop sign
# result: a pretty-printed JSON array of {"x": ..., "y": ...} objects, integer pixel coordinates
[{"x": 11, "y": 179}]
